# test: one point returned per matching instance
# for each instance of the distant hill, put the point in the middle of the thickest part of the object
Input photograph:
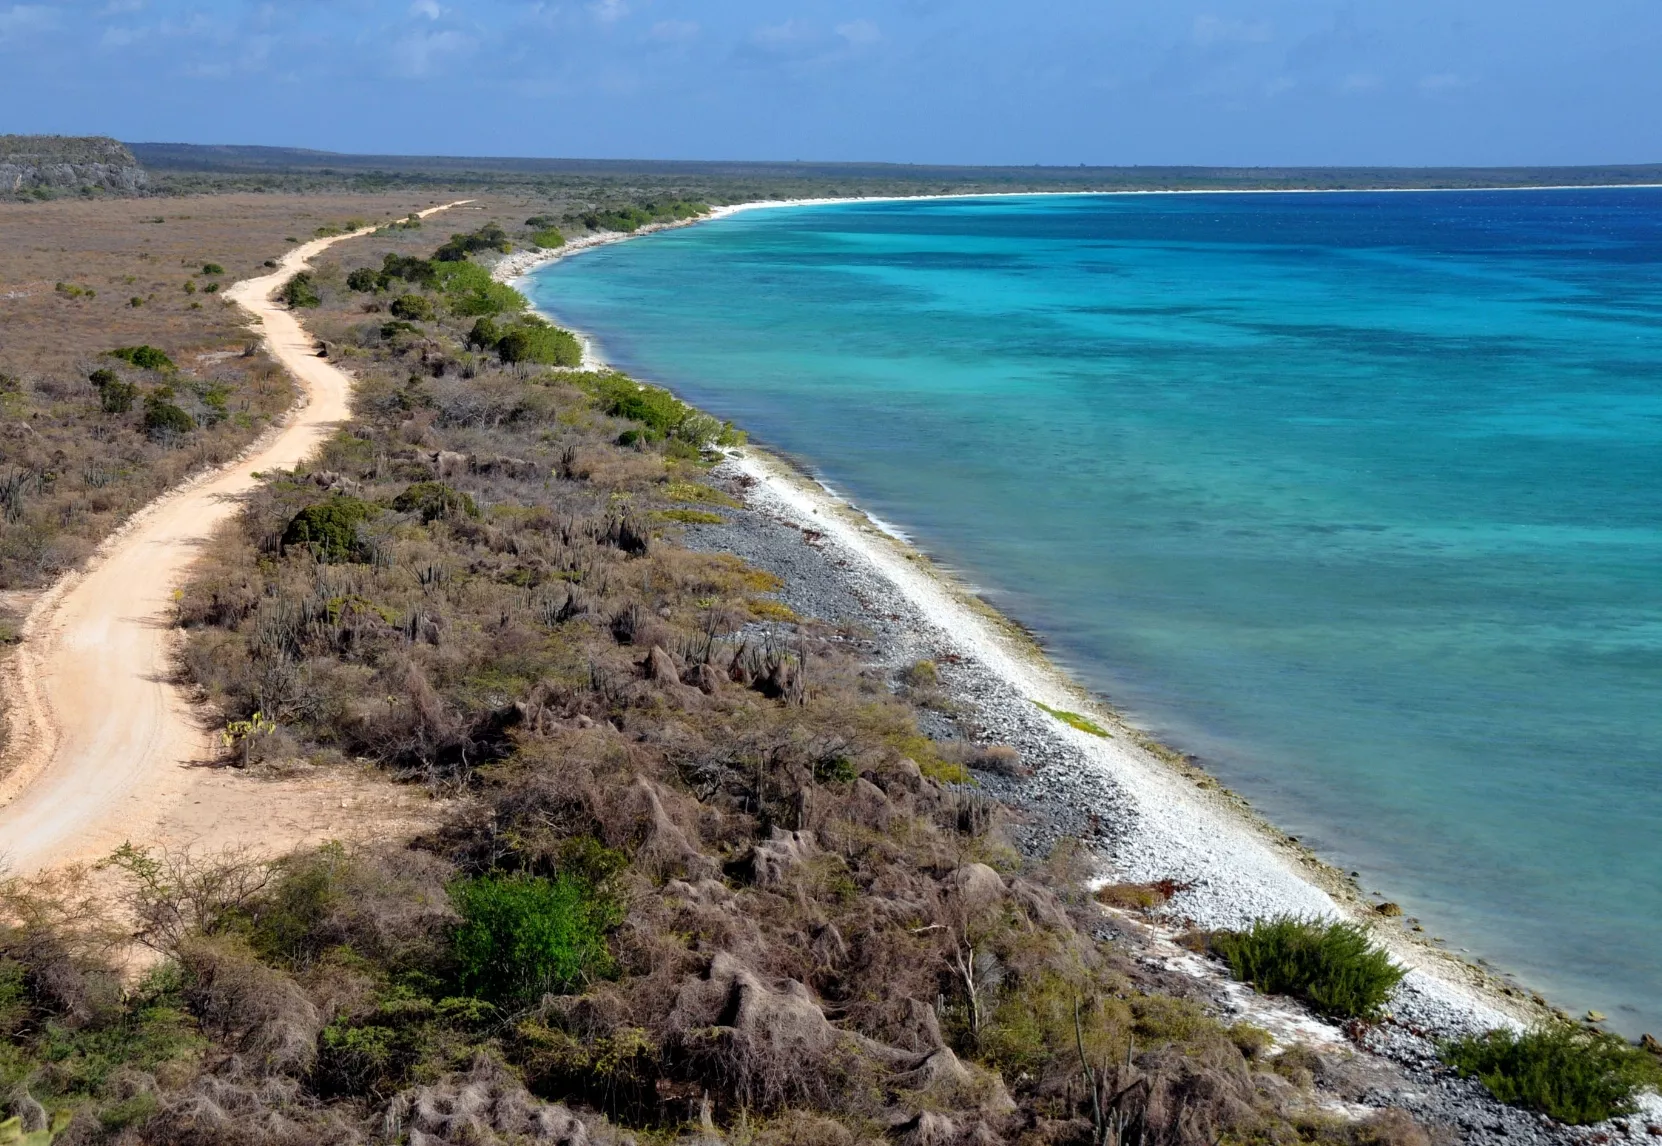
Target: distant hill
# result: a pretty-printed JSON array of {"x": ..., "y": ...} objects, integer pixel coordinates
[
  {"x": 45, "y": 165},
  {"x": 244, "y": 160}
]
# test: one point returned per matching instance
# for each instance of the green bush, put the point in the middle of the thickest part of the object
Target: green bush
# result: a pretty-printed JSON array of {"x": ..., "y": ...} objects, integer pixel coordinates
[
  {"x": 433, "y": 500},
  {"x": 484, "y": 335},
  {"x": 163, "y": 417},
  {"x": 406, "y": 267},
  {"x": 102, "y": 377},
  {"x": 525, "y": 936},
  {"x": 535, "y": 341},
  {"x": 549, "y": 238},
  {"x": 1573, "y": 1074},
  {"x": 490, "y": 237},
  {"x": 212, "y": 269},
  {"x": 637, "y": 215},
  {"x": 144, "y": 357},
  {"x": 1331, "y": 966},
  {"x": 300, "y": 291},
  {"x": 470, "y": 291},
  {"x": 364, "y": 279},
  {"x": 412, "y": 307},
  {"x": 329, "y": 529},
  {"x": 117, "y": 397}
]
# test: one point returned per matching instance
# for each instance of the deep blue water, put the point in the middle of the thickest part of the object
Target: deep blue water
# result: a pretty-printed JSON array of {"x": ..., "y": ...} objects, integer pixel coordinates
[{"x": 1357, "y": 496}]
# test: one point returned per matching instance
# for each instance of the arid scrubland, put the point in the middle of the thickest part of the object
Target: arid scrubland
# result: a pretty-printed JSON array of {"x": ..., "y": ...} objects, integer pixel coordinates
[{"x": 707, "y": 878}]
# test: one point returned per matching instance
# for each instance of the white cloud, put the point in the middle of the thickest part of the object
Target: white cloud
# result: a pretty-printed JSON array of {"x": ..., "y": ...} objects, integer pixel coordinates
[
  {"x": 427, "y": 8},
  {"x": 778, "y": 37},
  {"x": 859, "y": 32},
  {"x": 609, "y": 11},
  {"x": 414, "y": 55},
  {"x": 673, "y": 31},
  {"x": 21, "y": 20}
]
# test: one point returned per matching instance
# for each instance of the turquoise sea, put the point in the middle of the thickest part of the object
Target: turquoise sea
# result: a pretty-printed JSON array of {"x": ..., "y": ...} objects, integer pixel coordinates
[{"x": 1356, "y": 496}]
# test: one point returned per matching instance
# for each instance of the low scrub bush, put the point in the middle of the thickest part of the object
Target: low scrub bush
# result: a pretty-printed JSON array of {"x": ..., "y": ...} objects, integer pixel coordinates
[
  {"x": 433, "y": 500},
  {"x": 412, "y": 308},
  {"x": 470, "y": 291},
  {"x": 365, "y": 280},
  {"x": 535, "y": 342},
  {"x": 144, "y": 357},
  {"x": 1573, "y": 1074},
  {"x": 301, "y": 291},
  {"x": 1331, "y": 966},
  {"x": 549, "y": 239},
  {"x": 490, "y": 237},
  {"x": 329, "y": 529},
  {"x": 521, "y": 937},
  {"x": 163, "y": 417}
]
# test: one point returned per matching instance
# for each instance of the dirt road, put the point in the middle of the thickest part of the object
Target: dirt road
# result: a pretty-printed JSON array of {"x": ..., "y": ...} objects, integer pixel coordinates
[{"x": 103, "y": 747}]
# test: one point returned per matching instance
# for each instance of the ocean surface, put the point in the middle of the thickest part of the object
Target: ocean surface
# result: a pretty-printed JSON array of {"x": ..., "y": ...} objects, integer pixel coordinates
[{"x": 1356, "y": 496}]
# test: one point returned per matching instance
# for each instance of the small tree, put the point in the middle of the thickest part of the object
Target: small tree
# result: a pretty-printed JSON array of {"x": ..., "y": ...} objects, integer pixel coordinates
[
  {"x": 364, "y": 279},
  {"x": 300, "y": 291},
  {"x": 162, "y": 417},
  {"x": 413, "y": 307}
]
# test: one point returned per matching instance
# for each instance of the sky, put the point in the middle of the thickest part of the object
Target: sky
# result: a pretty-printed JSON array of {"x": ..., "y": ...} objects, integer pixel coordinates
[{"x": 1225, "y": 82}]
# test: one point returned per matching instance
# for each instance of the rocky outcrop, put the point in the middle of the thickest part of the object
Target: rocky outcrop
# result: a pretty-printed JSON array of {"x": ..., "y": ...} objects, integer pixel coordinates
[{"x": 59, "y": 163}]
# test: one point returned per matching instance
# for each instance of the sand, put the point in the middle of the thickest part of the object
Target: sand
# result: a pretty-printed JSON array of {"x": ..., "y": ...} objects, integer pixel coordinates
[{"x": 103, "y": 746}]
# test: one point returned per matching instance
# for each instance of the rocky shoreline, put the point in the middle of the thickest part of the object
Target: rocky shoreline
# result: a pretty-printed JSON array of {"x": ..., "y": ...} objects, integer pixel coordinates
[{"x": 1059, "y": 791}]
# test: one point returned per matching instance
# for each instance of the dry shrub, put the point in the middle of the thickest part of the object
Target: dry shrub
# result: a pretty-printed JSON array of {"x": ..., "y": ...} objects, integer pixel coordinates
[
  {"x": 1139, "y": 896},
  {"x": 484, "y": 1107},
  {"x": 260, "y": 1014},
  {"x": 230, "y": 1110}
]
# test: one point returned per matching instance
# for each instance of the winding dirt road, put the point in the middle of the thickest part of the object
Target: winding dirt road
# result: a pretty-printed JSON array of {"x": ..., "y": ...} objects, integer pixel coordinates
[{"x": 102, "y": 746}]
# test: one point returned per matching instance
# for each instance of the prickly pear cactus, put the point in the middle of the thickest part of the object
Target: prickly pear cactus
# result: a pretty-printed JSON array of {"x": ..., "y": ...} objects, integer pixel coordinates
[{"x": 13, "y": 1134}]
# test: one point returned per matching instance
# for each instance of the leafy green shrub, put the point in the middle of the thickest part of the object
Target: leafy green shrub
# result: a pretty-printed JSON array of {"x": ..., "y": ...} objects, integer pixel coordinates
[
  {"x": 412, "y": 307},
  {"x": 1331, "y": 966},
  {"x": 300, "y": 291},
  {"x": 635, "y": 216},
  {"x": 212, "y": 269},
  {"x": 490, "y": 237},
  {"x": 535, "y": 341},
  {"x": 1573, "y": 1074},
  {"x": 163, "y": 417},
  {"x": 365, "y": 279},
  {"x": 469, "y": 291},
  {"x": 549, "y": 238},
  {"x": 329, "y": 529},
  {"x": 484, "y": 335},
  {"x": 102, "y": 377},
  {"x": 433, "y": 500},
  {"x": 406, "y": 267},
  {"x": 524, "y": 936},
  {"x": 144, "y": 357}
]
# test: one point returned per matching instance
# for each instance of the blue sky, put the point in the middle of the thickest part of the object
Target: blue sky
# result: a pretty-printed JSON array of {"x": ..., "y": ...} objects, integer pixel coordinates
[{"x": 937, "y": 81}]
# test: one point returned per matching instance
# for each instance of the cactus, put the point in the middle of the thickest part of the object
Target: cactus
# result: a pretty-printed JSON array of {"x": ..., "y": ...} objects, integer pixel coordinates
[
  {"x": 13, "y": 1134},
  {"x": 240, "y": 732}
]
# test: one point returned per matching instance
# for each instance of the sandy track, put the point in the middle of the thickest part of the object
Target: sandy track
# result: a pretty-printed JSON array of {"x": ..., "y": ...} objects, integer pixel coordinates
[{"x": 103, "y": 746}]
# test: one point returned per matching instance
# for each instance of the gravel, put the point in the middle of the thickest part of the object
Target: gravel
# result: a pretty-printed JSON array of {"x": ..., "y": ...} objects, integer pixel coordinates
[{"x": 1144, "y": 817}]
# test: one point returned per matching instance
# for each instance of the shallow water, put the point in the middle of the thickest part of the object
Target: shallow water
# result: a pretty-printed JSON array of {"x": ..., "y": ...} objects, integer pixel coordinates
[{"x": 1359, "y": 497}]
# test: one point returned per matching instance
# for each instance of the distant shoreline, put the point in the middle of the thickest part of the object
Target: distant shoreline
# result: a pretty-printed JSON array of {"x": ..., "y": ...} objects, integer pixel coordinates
[{"x": 517, "y": 266}]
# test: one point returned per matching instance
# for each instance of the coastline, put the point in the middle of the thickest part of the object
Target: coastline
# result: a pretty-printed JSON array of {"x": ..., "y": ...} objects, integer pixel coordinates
[{"x": 1143, "y": 809}]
